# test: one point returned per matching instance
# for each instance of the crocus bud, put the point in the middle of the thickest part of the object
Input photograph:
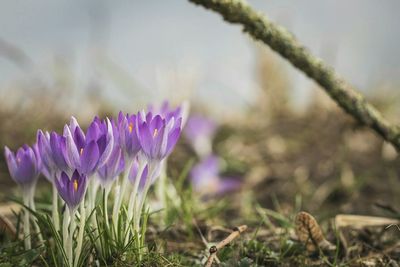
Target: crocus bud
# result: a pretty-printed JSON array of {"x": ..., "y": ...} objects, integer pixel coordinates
[{"x": 23, "y": 166}]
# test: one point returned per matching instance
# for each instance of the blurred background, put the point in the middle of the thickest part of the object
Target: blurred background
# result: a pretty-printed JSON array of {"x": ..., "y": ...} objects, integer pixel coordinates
[{"x": 278, "y": 131}]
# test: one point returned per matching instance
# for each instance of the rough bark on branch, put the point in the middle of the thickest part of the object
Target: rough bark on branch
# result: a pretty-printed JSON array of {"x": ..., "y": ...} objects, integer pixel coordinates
[{"x": 284, "y": 43}]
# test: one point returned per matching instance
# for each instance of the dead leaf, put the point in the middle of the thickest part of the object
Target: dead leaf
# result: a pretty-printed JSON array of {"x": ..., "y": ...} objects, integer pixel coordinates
[{"x": 310, "y": 233}]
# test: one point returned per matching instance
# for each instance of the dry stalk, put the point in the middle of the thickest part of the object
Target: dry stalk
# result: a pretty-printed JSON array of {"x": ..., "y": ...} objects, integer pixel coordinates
[{"x": 214, "y": 249}]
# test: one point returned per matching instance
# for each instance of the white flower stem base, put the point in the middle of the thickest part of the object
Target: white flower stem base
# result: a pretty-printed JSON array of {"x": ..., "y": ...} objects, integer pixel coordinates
[
  {"x": 27, "y": 234},
  {"x": 54, "y": 212},
  {"x": 78, "y": 249}
]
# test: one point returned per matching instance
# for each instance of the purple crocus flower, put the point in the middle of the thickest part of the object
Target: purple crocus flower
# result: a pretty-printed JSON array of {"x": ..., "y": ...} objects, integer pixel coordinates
[
  {"x": 88, "y": 152},
  {"x": 128, "y": 135},
  {"x": 113, "y": 167},
  {"x": 71, "y": 189},
  {"x": 200, "y": 131},
  {"x": 206, "y": 179},
  {"x": 157, "y": 136},
  {"x": 23, "y": 166}
]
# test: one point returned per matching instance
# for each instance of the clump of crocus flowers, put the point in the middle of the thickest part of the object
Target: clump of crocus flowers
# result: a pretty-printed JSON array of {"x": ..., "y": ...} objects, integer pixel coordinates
[{"x": 125, "y": 154}]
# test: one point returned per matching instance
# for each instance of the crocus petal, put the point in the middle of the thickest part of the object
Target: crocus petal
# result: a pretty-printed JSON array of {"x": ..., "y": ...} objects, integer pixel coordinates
[
  {"x": 11, "y": 162},
  {"x": 82, "y": 186},
  {"x": 56, "y": 151},
  {"x": 89, "y": 158},
  {"x": 72, "y": 151},
  {"x": 74, "y": 181},
  {"x": 156, "y": 123},
  {"x": 72, "y": 190},
  {"x": 79, "y": 138},
  {"x": 105, "y": 154},
  {"x": 44, "y": 153},
  {"x": 26, "y": 171},
  {"x": 157, "y": 143},
  {"x": 62, "y": 182},
  {"x": 172, "y": 140},
  {"x": 184, "y": 112},
  {"x": 121, "y": 125},
  {"x": 145, "y": 138},
  {"x": 93, "y": 132},
  {"x": 113, "y": 167},
  {"x": 23, "y": 166},
  {"x": 73, "y": 124}
]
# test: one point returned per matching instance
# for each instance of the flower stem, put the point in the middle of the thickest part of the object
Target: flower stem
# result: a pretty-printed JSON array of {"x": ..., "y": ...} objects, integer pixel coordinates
[
  {"x": 115, "y": 213},
  {"x": 72, "y": 227},
  {"x": 133, "y": 198},
  {"x": 65, "y": 232},
  {"x": 121, "y": 194},
  {"x": 27, "y": 234},
  {"x": 35, "y": 223},
  {"x": 139, "y": 207},
  {"x": 92, "y": 192},
  {"x": 78, "y": 249},
  {"x": 141, "y": 200},
  {"x": 161, "y": 190},
  {"x": 106, "y": 193},
  {"x": 54, "y": 212}
]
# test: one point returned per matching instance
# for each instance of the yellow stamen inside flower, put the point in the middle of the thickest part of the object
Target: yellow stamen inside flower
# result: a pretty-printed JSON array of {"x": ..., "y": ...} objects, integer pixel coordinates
[
  {"x": 130, "y": 127},
  {"x": 81, "y": 151},
  {"x": 155, "y": 133},
  {"x": 76, "y": 185}
]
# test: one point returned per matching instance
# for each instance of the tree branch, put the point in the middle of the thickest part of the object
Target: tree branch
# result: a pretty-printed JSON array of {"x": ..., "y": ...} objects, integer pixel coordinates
[{"x": 284, "y": 43}]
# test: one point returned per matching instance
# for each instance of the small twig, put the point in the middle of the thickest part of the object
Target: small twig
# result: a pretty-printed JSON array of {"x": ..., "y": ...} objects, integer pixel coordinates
[
  {"x": 214, "y": 249},
  {"x": 284, "y": 43},
  {"x": 200, "y": 233},
  {"x": 213, "y": 255}
]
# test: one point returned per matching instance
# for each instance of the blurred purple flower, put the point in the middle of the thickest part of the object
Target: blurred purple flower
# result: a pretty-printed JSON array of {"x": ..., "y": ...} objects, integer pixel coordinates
[
  {"x": 200, "y": 131},
  {"x": 24, "y": 165},
  {"x": 128, "y": 135},
  {"x": 113, "y": 167},
  {"x": 157, "y": 136},
  {"x": 206, "y": 179},
  {"x": 71, "y": 189},
  {"x": 88, "y": 152}
]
